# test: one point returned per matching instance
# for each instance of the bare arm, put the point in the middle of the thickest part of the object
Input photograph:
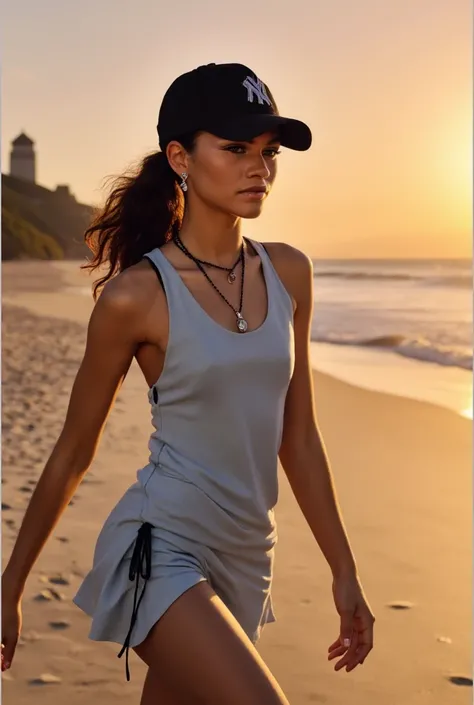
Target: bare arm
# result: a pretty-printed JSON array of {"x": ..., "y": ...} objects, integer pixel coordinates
[
  {"x": 302, "y": 451},
  {"x": 111, "y": 343},
  {"x": 306, "y": 465}
]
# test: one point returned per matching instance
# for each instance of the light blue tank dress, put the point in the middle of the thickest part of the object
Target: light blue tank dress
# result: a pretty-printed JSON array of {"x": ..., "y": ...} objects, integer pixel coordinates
[{"x": 203, "y": 507}]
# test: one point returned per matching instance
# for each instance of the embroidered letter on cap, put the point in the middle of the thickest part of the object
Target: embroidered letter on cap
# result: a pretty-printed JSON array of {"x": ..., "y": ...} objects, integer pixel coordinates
[{"x": 256, "y": 89}]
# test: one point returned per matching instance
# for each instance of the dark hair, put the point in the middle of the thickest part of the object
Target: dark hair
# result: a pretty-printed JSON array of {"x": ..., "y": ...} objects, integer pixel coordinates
[{"x": 141, "y": 212}]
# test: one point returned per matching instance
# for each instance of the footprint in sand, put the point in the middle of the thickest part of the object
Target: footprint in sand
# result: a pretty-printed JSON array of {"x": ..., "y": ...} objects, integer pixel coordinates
[
  {"x": 91, "y": 682},
  {"x": 401, "y": 605},
  {"x": 26, "y": 489},
  {"x": 460, "y": 680},
  {"x": 61, "y": 625},
  {"x": 54, "y": 579},
  {"x": 45, "y": 679},
  {"x": 5, "y": 506},
  {"x": 48, "y": 595},
  {"x": 59, "y": 580},
  {"x": 62, "y": 539},
  {"x": 10, "y": 522}
]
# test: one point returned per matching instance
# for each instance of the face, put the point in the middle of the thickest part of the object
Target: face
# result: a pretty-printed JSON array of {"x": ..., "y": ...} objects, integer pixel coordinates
[{"x": 233, "y": 177}]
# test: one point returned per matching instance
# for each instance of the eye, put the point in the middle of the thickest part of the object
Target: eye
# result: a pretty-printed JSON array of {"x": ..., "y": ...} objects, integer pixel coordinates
[
  {"x": 271, "y": 152},
  {"x": 235, "y": 148}
]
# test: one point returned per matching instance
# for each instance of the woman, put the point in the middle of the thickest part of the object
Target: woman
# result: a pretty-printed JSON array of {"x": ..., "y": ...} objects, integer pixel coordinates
[{"x": 220, "y": 326}]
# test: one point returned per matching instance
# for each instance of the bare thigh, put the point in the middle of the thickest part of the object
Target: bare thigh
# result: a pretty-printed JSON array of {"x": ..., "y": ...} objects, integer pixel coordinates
[
  {"x": 156, "y": 692},
  {"x": 200, "y": 655}
]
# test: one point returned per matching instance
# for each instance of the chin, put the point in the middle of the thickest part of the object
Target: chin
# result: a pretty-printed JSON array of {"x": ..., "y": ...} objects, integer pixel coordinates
[{"x": 249, "y": 211}]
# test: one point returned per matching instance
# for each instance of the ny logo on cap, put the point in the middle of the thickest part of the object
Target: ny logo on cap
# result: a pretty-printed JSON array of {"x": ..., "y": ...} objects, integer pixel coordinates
[{"x": 256, "y": 89}]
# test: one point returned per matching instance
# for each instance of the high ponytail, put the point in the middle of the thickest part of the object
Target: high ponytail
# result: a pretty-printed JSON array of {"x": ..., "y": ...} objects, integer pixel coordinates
[{"x": 141, "y": 212}]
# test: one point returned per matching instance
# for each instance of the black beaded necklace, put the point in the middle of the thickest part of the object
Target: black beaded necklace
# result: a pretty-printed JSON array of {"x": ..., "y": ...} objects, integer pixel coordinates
[
  {"x": 242, "y": 324},
  {"x": 231, "y": 277}
]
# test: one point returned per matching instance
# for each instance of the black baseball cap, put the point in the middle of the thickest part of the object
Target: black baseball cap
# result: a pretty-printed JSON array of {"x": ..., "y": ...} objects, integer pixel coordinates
[{"x": 229, "y": 101}]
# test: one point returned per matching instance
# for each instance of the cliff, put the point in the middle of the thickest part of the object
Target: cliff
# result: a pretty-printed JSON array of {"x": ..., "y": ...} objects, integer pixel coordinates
[{"x": 41, "y": 224}]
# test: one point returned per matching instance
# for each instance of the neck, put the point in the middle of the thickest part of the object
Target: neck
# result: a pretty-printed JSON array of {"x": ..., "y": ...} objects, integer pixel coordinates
[{"x": 216, "y": 238}]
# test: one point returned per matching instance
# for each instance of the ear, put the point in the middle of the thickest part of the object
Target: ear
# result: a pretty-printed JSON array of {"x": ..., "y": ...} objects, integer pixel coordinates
[{"x": 178, "y": 158}]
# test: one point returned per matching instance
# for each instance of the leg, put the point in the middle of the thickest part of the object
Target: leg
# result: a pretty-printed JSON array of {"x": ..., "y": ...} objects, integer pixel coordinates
[
  {"x": 199, "y": 653},
  {"x": 156, "y": 693}
]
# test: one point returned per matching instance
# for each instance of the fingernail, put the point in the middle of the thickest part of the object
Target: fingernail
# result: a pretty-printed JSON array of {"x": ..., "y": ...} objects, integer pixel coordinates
[{"x": 347, "y": 642}]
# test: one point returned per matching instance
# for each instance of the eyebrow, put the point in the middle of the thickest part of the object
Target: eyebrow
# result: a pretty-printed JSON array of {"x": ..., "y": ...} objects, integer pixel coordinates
[
  {"x": 275, "y": 139},
  {"x": 272, "y": 140}
]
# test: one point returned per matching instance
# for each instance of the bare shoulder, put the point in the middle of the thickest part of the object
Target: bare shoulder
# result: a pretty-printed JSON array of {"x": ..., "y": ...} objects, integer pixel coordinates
[
  {"x": 128, "y": 297},
  {"x": 294, "y": 268},
  {"x": 285, "y": 252}
]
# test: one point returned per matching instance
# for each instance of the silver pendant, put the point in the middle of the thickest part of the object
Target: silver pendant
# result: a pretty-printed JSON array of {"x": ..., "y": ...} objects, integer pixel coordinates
[
  {"x": 242, "y": 324},
  {"x": 231, "y": 278}
]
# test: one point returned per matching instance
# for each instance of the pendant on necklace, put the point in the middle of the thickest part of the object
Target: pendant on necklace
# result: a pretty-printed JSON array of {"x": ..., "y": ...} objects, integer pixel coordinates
[
  {"x": 231, "y": 278},
  {"x": 242, "y": 324}
]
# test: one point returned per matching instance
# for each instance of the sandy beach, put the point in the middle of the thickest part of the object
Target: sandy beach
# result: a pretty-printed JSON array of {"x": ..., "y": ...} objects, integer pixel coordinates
[{"x": 403, "y": 475}]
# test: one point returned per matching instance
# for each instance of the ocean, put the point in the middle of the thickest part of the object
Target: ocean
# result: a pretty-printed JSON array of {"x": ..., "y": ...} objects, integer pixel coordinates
[
  {"x": 403, "y": 327},
  {"x": 374, "y": 316}
]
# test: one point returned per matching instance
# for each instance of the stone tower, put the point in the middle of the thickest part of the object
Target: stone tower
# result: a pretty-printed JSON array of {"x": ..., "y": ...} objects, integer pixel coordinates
[{"x": 23, "y": 158}]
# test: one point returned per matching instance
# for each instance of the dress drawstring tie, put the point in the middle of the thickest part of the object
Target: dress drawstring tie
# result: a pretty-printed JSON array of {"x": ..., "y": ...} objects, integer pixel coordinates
[{"x": 140, "y": 567}]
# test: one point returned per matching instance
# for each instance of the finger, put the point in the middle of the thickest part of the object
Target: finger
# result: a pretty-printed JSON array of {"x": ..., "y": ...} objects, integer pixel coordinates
[
  {"x": 336, "y": 652},
  {"x": 348, "y": 656},
  {"x": 335, "y": 644},
  {"x": 347, "y": 627},
  {"x": 364, "y": 652},
  {"x": 366, "y": 640},
  {"x": 8, "y": 649},
  {"x": 337, "y": 648},
  {"x": 353, "y": 664},
  {"x": 343, "y": 662},
  {"x": 339, "y": 642},
  {"x": 360, "y": 655}
]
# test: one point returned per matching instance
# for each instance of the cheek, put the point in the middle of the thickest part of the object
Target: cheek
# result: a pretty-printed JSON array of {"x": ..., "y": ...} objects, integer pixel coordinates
[{"x": 217, "y": 177}]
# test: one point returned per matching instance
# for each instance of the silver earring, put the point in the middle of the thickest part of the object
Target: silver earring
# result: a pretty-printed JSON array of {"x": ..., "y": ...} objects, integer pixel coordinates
[{"x": 183, "y": 184}]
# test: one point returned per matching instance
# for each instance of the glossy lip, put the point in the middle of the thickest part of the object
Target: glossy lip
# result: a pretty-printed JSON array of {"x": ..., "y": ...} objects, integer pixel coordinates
[{"x": 255, "y": 190}]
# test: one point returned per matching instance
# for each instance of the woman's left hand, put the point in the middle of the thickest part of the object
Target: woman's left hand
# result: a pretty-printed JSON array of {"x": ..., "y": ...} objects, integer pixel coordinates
[{"x": 356, "y": 636}]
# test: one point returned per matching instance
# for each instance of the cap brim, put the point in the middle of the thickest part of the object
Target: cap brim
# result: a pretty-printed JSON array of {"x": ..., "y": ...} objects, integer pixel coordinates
[{"x": 293, "y": 134}]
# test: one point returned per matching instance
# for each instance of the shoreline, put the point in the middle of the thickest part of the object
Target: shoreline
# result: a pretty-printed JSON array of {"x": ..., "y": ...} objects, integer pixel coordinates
[
  {"x": 388, "y": 372},
  {"x": 35, "y": 286}
]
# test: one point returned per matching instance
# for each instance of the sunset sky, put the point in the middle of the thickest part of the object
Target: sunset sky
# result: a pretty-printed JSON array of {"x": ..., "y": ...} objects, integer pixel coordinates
[{"x": 386, "y": 86}]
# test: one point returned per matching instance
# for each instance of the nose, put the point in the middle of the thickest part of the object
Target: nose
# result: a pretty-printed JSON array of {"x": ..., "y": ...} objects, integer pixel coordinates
[{"x": 259, "y": 167}]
